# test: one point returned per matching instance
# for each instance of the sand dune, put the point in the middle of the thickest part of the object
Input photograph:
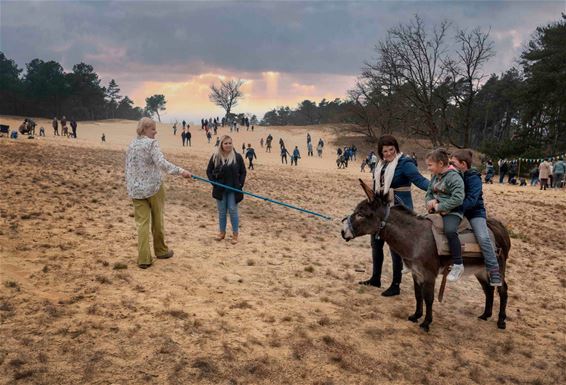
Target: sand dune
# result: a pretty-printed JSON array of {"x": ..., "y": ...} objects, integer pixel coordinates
[{"x": 281, "y": 307}]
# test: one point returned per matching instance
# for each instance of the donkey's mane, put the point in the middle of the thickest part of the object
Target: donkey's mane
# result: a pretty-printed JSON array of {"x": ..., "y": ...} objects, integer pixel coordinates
[{"x": 404, "y": 209}]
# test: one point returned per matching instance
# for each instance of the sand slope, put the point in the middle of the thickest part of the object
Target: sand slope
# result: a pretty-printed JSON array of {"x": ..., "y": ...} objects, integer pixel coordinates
[{"x": 281, "y": 307}]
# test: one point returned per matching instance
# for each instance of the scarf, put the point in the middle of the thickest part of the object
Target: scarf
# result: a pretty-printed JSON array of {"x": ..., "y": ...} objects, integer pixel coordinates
[{"x": 388, "y": 177}]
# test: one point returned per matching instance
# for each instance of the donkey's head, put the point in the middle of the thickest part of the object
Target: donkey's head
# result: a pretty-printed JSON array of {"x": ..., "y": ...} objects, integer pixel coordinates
[{"x": 368, "y": 215}]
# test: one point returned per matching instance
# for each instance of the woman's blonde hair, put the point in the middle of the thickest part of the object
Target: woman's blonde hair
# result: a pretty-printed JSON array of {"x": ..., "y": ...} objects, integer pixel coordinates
[
  {"x": 143, "y": 124},
  {"x": 218, "y": 157}
]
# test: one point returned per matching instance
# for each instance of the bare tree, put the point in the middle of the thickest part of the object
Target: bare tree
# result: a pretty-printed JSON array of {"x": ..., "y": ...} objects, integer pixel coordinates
[
  {"x": 227, "y": 95},
  {"x": 362, "y": 110},
  {"x": 373, "y": 107},
  {"x": 412, "y": 62},
  {"x": 474, "y": 49}
]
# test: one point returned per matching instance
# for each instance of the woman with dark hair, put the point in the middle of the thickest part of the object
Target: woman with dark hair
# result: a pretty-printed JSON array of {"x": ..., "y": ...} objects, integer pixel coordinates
[{"x": 394, "y": 172}]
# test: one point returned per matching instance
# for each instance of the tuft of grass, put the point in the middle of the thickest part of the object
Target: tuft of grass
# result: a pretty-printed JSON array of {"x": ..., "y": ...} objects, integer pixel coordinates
[
  {"x": 242, "y": 305},
  {"x": 206, "y": 367},
  {"x": 119, "y": 266},
  {"x": 324, "y": 321},
  {"x": 180, "y": 314},
  {"x": 328, "y": 340},
  {"x": 12, "y": 285},
  {"x": 103, "y": 280},
  {"x": 6, "y": 306}
]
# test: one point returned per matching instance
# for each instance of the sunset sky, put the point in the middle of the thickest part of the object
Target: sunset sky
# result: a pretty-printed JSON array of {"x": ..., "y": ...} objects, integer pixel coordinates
[{"x": 285, "y": 51}]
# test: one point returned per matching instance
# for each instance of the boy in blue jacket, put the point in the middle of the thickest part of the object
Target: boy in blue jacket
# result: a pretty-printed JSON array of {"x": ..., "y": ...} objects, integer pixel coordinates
[{"x": 474, "y": 210}]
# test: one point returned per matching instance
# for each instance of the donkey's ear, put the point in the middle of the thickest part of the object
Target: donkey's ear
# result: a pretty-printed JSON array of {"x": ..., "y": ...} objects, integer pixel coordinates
[
  {"x": 368, "y": 190},
  {"x": 385, "y": 199}
]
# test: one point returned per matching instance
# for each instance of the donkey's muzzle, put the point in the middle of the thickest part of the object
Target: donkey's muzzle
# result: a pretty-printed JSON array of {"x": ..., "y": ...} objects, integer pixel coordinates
[{"x": 347, "y": 231}]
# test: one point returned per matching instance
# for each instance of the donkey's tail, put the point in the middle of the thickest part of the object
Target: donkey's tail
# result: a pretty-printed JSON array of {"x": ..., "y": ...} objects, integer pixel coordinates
[{"x": 502, "y": 239}]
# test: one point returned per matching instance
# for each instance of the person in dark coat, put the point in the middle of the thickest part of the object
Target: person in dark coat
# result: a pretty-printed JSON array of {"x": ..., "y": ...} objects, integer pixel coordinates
[
  {"x": 55, "y": 125},
  {"x": 394, "y": 171},
  {"x": 474, "y": 211},
  {"x": 296, "y": 156},
  {"x": 284, "y": 154},
  {"x": 250, "y": 155},
  {"x": 74, "y": 128},
  {"x": 226, "y": 166}
]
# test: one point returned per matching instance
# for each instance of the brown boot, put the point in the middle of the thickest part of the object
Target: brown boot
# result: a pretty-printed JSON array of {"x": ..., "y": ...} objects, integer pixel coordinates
[
  {"x": 220, "y": 236},
  {"x": 234, "y": 238}
]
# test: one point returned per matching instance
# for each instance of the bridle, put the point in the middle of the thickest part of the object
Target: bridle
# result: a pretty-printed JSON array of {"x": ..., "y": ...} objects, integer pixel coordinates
[{"x": 382, "y": 224}]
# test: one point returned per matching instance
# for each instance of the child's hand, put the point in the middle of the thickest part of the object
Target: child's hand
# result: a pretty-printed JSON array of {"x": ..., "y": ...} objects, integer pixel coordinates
[{"x": 430, "y": 204}]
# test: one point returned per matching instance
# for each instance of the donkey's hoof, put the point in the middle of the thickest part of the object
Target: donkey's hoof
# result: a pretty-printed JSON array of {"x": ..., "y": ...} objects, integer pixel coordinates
[
  {"x": 484, "y": 316},
  {"x": 414, "y": 318},
  {"x": 424, "y": 326},
  {"x": 501, "y": 324}
]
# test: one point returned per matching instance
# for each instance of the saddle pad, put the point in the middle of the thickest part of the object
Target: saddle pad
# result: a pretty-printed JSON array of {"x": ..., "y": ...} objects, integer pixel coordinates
[{"x": 470, "y": 246}]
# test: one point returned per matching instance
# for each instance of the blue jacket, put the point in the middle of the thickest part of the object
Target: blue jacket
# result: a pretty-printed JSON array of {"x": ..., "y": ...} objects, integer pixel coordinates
[
  {"x": 473, "y": 202},
  {"x": 406, "y": 173}
]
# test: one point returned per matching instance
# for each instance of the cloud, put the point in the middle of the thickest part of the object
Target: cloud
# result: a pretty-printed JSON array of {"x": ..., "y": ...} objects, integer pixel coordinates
[{"x": 304, "y": 49}]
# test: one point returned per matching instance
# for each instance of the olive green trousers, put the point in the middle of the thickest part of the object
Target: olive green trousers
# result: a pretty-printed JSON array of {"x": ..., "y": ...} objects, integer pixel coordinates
[{"x": 148, "y": 212}]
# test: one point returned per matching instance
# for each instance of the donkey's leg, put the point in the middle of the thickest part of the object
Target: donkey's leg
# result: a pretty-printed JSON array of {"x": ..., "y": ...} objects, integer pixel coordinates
[
  {"x": 488, "y": 291},
  {"x": 419, "y": 300},
  {"x": 502, "y": 305},
  {"x": 428, "y": 293}
]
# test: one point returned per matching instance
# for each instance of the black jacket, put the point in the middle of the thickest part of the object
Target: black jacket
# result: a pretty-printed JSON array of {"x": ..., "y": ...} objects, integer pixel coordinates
[{"x": 233, "y": 176}]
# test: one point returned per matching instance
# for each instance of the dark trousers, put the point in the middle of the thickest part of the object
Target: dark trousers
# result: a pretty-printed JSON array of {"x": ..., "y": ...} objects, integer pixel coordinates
[
  {"x": 543, "y": 183},
  {"x": 451, "y": 223},
  {"x": 377, "y": 256},
  {"x": 284, "y": 158},
  {"x": 251, "y": 165}
]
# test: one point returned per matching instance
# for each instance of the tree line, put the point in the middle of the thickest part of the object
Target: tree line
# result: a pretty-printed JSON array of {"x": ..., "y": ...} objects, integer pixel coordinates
[
  {"x": 430, "y": 83},
  {"x": 44, "y": 89}
]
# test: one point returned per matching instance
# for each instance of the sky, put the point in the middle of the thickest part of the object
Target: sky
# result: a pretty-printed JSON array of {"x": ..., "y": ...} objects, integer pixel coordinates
[{"x": 285, "y": 51}]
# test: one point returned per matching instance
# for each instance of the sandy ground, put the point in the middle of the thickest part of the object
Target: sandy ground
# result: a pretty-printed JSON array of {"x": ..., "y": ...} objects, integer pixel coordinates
[{"x": 281, "y": 307}]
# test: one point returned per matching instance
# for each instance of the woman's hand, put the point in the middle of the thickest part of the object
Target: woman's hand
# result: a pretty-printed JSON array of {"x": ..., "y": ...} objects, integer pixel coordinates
[{"x": 186, "y": 174}]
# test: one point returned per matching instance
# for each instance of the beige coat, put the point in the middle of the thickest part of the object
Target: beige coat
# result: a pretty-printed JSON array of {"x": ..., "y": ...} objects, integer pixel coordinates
[{"x": 544, "y": 170}]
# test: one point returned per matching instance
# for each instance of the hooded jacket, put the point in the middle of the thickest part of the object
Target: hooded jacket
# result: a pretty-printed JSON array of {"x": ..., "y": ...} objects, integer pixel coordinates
[
  {"x": 448, "y": 189},
  {"x": 473, "y": 202}
]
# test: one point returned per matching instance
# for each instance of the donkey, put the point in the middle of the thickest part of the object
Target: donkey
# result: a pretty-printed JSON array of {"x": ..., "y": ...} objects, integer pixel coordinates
[{"x": 411, "y": 237}]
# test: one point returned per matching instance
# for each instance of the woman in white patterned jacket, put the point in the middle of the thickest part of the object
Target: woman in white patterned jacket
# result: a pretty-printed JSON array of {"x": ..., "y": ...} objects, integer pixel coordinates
[{"x": 145, "y": 168}]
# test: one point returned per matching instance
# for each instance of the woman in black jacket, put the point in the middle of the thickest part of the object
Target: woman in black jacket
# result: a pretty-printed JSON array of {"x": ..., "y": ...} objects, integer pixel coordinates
[{"x": 227, "y": 167}]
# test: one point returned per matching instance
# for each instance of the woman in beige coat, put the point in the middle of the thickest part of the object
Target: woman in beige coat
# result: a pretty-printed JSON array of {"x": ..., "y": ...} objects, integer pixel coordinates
[{"x": 544, "y": 171}]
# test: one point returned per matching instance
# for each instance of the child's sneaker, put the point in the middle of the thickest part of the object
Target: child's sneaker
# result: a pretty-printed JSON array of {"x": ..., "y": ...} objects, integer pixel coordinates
[
  {"x": 495, "y": 279},
  {"x": 455, "y": 273}
]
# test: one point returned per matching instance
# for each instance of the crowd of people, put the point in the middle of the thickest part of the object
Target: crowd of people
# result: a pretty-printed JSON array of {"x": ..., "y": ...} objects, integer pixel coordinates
[
  {"x": 28, "y": 127},
  {"x": 547, "y": 174},
  {"x": 211, "y": 126}
]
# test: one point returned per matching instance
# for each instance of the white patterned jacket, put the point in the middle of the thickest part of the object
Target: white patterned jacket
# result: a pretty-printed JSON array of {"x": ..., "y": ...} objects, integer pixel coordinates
[{"x": 145, "y": 168}]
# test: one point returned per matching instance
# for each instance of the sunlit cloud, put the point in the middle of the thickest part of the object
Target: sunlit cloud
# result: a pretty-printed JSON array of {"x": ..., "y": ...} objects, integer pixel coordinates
[{"x": 262, "y": 92}]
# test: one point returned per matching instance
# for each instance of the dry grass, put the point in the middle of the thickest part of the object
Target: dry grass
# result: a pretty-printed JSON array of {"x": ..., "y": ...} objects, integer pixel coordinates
[{"x": 281, "y": 307}]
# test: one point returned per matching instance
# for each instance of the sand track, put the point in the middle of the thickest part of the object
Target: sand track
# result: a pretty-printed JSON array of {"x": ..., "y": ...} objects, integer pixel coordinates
[{"x": 281, "y": 307}]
